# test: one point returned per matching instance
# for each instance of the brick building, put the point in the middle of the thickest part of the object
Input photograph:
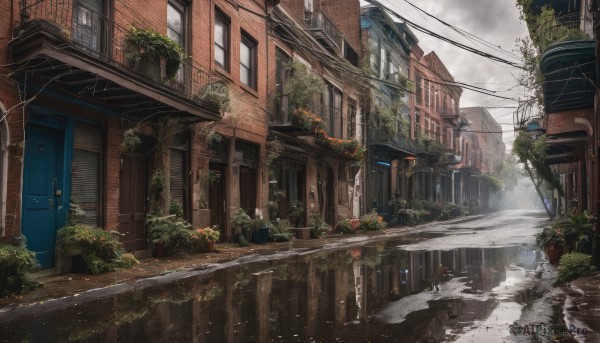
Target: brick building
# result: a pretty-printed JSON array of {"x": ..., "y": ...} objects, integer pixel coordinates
[
  {"x": 322, "y": 40},
  {"x": 391, "y": 149},
  {"x": 79, "y": 83},
  {"x": 434, "y": 112}
]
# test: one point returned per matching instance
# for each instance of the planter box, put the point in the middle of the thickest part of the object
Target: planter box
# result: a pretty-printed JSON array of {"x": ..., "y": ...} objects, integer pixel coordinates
[{"x": 260, "y": 236}]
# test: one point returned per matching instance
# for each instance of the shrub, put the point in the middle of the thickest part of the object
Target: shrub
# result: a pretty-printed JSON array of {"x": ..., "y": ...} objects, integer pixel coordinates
[
  {"x": 318, "y": 227},
  {"x": 241, "y": 219},
  {"x": 572, "y": 266},
  {"x": 372, "y": 222},
  {"x": 215, "y": 96},
  {"x": 16, "y": 261},
  {"x": 100, "y": 251},
  {"x": 344, "y": 227},
  {"x": 171, "y": 231},
  {"x": 279, "y": 231}
]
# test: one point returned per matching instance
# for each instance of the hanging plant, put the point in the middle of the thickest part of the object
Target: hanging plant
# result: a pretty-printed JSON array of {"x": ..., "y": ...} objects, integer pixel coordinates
[
  {"x": 131, "y": 140},
  {"x": 215, "y": 96},
  {"x": 212, "y": 138},
  {"x": 301, "y": 86},
  {"x": 274, "y": 150},
  {"x": 143, "y": 43}
]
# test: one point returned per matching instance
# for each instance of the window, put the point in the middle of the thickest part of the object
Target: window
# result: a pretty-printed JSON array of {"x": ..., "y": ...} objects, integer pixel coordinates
[
  {"x": 332, "y": 109},
  {"x": 248, "y": 61},
  {"x": 308, "y": 5},
  {"x": 384, "y": 62},
  {"x": 351, "y": 132},
  {"x": 419, "y": 90},
  {"x": 281, "y": 101},
  {"x": 87, "y": 23},
  {"x": 221, "y": 40},
  {"x": 178, "y": 167},
  {"x": 175, "y": 28},
  {"x": 427, "y": 93},
  {"x": 86, "y": 174},
  {"x": 417, "y": 124}
]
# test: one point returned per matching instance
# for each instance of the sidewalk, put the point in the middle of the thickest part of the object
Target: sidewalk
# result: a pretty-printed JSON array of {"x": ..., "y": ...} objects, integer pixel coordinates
[
  {"x": 68, "y": 285},
  {"x": 582, "y": 307}
]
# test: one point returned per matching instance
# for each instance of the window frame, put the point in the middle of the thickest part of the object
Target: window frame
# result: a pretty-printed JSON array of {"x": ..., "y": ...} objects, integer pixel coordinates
[
  {"x": 252, "y": 44},
  {"x": 226, "y": 22}
]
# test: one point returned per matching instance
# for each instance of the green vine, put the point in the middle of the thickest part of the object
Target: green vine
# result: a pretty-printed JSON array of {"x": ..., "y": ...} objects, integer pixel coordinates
[
  {"x": 154, "y": 45},
  {"x": 301, "y": 86},
  {"x": 274, "y": 150}
]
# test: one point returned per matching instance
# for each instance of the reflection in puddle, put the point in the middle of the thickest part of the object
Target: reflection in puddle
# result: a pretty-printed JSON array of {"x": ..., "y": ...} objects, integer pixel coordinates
[{"x": 375, "y": 292}]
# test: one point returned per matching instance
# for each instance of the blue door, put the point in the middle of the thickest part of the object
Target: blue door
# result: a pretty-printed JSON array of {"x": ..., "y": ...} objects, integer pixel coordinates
[{"x": 42, "y": 186}]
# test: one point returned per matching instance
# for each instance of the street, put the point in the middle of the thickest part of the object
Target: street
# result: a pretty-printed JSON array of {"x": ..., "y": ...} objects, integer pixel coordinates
[{"x": 468, "y": 280}]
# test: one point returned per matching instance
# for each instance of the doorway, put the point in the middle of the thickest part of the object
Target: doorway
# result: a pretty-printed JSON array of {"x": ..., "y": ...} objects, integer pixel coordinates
[
  {"x": 42, "y": 191},
  {"x": 132, "y": 202}
]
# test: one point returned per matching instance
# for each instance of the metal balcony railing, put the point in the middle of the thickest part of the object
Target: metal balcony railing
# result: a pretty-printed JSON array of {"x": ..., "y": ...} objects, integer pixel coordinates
[
  {"x": 398, "y": 140},
  {"x": 101, "y": 38},
  {"x": 324, "y": 29},
  {"x": 563, "y": 28}
]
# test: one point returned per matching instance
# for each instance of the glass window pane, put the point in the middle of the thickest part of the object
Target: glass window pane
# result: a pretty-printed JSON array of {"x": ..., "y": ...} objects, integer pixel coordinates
[
  {"x": 245, "y": 58},
  {"x": 220, "y": 30},
  {"x": 220, "y": 55},
  {"x": 174, "y": 19},
  {"x": 245, "y": 75}
]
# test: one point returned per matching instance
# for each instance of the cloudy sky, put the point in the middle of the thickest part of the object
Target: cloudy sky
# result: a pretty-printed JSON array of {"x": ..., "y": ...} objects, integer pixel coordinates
[{"x": 495, "y": 21}]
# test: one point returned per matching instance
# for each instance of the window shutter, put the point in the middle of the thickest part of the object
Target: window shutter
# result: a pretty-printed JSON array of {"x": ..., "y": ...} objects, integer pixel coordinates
[
  {"x": 85, "y": 183},
  {"x": 177, "y": 181}
]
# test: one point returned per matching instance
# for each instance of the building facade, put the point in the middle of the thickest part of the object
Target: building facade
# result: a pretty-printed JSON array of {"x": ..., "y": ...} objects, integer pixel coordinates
[
  {"x": 435, "y": 113},
  {"x": 315, "y": 111},
  {"x": 90, "y": 115},
  {"x": 391, "y": 148}
]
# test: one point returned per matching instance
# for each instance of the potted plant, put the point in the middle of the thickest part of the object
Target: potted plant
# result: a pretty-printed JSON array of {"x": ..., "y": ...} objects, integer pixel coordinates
[
  {"x": 345, "y": 226},
  {"x": 168, "y": 234},
  {"x": 318, "y": 227},
  {"x": 204, "y": 239},
  {"x": 260, "y": 231},
  {"x": 372, "y": 222},
  {"x": 15, "y": 262},
  {"x": 575, "y": 229},
  {"x": 147, "y": 48},
  {"x": 99, "y": 251},
  {"x": 296, "y": 212},
  {"x": 242, "y": 221},
  {"x": 551, "y": 240}
]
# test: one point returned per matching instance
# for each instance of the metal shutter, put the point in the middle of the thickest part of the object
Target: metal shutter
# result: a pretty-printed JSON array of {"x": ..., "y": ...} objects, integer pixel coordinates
[
  {"x": 85, "y": 183},
  {"x": 177, "y": 181}
]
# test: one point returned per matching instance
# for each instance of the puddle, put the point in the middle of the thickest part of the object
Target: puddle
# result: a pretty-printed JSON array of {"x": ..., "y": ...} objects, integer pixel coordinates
[{"x": 376, "y": 292}]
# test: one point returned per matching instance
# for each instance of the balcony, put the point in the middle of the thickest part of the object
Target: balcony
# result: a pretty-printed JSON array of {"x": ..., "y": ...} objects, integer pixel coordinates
[
  {"x": 324, "y": 30},
  {"x": 568, "y": 64},
  {"x": 84, "y": 55},
  {"x": 448, "y": 114},
  {"x": 394, "y": 146}
]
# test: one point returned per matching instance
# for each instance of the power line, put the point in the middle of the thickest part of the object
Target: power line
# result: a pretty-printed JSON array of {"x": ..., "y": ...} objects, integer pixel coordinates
[
  {"x": 463, "y": 32},
  {"x": 455, "y": 43}
]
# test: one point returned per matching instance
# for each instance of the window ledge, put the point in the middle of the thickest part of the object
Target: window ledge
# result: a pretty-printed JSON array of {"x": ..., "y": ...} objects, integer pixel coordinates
[
  {"x": 249, "y": 90},
  {"x": 223, "y": 73}
]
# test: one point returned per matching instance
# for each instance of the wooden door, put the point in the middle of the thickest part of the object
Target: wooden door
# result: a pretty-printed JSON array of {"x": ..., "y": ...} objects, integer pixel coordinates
[
  {"x": 248, "y": 190},
  {"x": 217, "y": 196},
  {"x": 42, "y": 184},
  {"x": 132, "y": 203}
]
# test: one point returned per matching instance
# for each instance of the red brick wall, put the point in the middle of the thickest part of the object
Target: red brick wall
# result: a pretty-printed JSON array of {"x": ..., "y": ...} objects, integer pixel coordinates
[
  {"x": 9, "y": 97},
  {"x": 345, "y": 15}
]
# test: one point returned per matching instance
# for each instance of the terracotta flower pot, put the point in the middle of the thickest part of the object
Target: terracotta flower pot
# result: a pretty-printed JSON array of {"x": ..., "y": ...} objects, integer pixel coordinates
[
  {"x": 354, "y": 223},
  {"x": 554, "y": 252},
  {"x": 208, "y": 246}
]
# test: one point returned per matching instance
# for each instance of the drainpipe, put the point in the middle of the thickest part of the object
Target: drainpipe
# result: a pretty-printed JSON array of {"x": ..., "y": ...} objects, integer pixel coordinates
[{"x": 452, "y": 188}]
